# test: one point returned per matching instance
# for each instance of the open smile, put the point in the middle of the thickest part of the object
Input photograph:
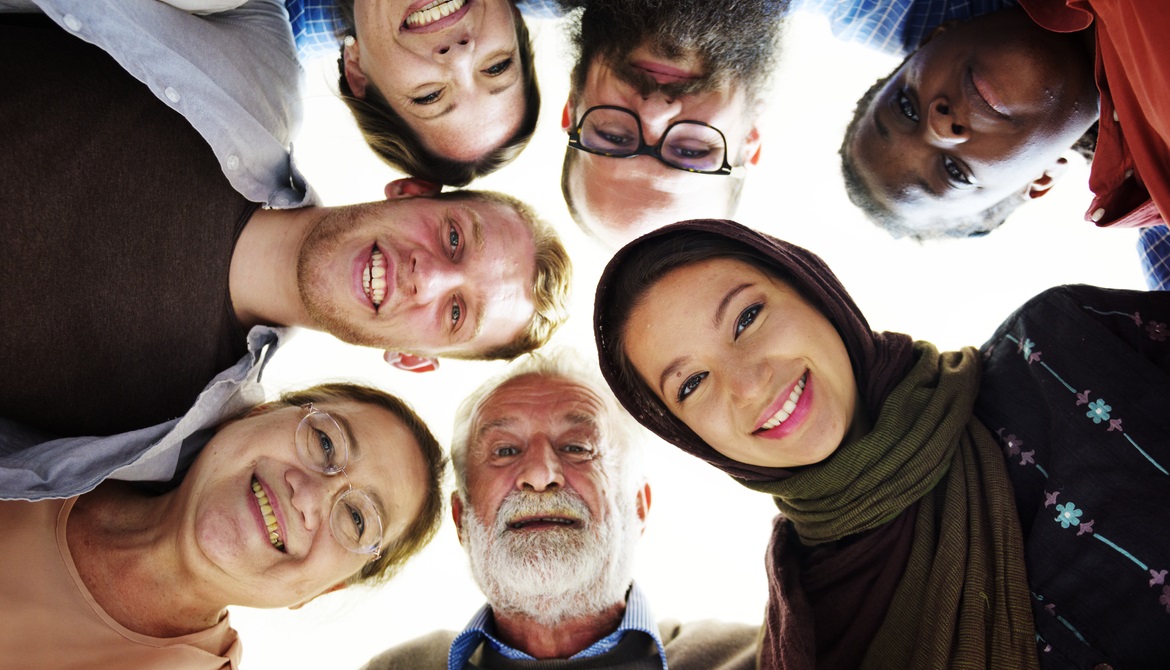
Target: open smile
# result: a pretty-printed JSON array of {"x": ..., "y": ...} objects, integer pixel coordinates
[
  {"x": 544, "y": 522},
  {"x": 435, "y": 15},
  {"x": 787, "y": 412},
  {"x": 374, "y": 277},
  {"x": 271, "y": 524}
]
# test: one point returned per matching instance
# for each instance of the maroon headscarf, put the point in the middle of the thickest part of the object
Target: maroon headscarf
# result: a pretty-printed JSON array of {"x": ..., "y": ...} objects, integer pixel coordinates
[{"x": 880, "y": 360}]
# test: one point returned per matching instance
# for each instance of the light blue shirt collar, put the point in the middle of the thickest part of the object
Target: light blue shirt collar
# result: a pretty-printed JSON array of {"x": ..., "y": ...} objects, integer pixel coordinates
[{"x": 481, "y": 628}]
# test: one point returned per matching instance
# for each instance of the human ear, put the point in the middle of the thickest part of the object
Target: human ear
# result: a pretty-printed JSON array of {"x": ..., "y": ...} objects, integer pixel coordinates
[
  {"x": 751, "y": 147},
  {"x": 1044, "y": 183},
  {"x": 942, "y": 28},
  {"x": 410, "y": 362},
  {"x": 354, "y": 76},
  {"x": 336, "y": 587},
  {"x": 643, "y": 503},
  {"x": 411, "y": 187},
  {"x": 457, "y": 514},
  {"x": 566, "y": 117}
]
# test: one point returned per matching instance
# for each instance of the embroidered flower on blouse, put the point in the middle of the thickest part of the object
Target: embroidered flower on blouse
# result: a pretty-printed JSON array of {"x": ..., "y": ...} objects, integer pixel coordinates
[
  {"x": 1026, "y": 347},
  {"x": 1012, "y": 444},
  {"x": 1165, "y": 599},
  {"x": 1099, "y": 411},
  {"x": 1157, "y": 331},
  {"x": 1069, "y": 515}
]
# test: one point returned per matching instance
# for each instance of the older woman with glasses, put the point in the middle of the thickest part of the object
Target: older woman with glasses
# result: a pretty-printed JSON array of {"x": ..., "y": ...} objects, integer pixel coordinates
[{"x": 325, "y": 488}]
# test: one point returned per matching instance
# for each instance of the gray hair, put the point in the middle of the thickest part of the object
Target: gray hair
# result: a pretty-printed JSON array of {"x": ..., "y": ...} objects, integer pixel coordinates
[{"x": 623, "y": 434}]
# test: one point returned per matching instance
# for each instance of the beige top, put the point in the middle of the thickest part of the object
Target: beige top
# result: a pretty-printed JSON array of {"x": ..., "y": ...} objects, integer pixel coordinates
[{"x": 52, "y": 621}]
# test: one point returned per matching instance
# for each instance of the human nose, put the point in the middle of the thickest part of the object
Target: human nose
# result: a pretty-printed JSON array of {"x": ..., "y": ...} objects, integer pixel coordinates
[
  {"x": 943, "y": 126},
  {"x": 432, "y": 277},
  {"x": 656, "y": 112},
  {"x": 541, "y": 469},
  {"x": 313, "y": 494},
  {"x": 458, "y": 48},
  {"x": 747, "y": 382}
]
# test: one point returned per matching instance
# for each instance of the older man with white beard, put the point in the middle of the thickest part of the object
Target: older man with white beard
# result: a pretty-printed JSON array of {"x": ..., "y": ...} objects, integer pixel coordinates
[{"x": 551, "y": 499}]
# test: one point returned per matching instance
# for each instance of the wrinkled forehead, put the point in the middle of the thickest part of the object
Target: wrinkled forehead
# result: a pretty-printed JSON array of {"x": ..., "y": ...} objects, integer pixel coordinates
[{"x": 533, "y": 403}]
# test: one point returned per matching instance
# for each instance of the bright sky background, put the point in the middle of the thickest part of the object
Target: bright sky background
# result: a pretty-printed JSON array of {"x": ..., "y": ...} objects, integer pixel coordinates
[{"x": 703, "y": 550}]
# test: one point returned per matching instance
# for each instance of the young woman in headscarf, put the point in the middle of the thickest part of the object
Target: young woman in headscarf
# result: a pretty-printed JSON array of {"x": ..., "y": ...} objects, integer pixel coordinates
[{"x": 993, "y": 508}]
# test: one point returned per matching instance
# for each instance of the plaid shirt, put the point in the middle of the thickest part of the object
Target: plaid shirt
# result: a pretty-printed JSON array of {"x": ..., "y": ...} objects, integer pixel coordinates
[
  {"x": 1154, "y": 248},
  {"x": 482, "y": 628},
  {"x": 895, "y": 26},
  {"x": 316, "y": 25}
]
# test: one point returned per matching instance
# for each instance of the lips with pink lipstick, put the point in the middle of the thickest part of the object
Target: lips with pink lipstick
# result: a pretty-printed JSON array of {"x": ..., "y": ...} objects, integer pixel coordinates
[
  {"x": 787, "y": 412},
  {"x": 374, "y": 280},
  {"x": 275, "y": 537},
  {"x": 434, "y": 14}
]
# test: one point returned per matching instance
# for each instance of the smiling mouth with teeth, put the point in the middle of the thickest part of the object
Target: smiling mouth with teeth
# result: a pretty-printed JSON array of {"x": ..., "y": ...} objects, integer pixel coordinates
[
  {"x": 542, "y": 520},
  {"x": 789, "y": 405},
  {"x": 374, "y": 278},
  {"x": 433, "y": 12},
  {"x": 269, "y": 516}
]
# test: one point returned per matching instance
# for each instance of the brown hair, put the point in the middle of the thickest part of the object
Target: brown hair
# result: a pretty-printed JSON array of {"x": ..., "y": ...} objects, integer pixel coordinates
[
  {"x": 550, "y": 285},
  {"x": 398, "y": 145},
  {"x": 420, "y": 531}
]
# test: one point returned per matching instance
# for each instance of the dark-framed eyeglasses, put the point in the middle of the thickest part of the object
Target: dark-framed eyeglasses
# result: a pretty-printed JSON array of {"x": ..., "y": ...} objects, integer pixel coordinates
[
  {"x": 616, "y": 132},
  {"x": 323, "y": 447}
]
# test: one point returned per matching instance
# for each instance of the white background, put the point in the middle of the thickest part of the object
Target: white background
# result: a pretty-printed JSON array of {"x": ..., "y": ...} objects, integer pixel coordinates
[{"x": 702, "y": 553}]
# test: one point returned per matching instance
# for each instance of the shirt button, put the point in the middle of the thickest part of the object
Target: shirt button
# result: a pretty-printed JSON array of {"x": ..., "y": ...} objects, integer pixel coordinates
[
  {"x": 1128, "y": 173},
  {"x": 1115, "y": 119},
  {"x": 281, "y": 201},
  {"x": 72, "y": 22},
  {"x": 1097, "y": 214},
  {"x": 233, "y": 163},
  {"x": 171, "y": 94}
]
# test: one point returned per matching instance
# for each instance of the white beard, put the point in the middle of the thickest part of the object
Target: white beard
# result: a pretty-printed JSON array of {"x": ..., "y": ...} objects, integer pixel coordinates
[{"x": 554, "y": 574}]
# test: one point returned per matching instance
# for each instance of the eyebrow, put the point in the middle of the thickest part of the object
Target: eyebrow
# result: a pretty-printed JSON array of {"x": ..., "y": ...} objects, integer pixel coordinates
[
  {"x": 503, "y": 422},
  {"x": 881, "y": 127},
  {"x": 720, "y": 313},
  {"x": 356, "y": 452}
]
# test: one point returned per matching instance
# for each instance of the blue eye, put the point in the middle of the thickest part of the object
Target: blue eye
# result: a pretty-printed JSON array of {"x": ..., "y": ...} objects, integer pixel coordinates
[
  {"x": 453, "y": 240},
  {"x": 906, "y": 106},
  {"x": 499, "y": 68},
  {"x": 747, "y": 317},
  {"x": 359, "y": 524},
  {"x": 690, "y": 385},
  {"x": 428, "y": 99},
  {"x": 326, "y": 444},
  {"x": 456, "y": 313}
]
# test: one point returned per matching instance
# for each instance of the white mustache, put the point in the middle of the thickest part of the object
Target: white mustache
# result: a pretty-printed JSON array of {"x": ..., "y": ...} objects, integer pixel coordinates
[{"x": 527, "y": 504}]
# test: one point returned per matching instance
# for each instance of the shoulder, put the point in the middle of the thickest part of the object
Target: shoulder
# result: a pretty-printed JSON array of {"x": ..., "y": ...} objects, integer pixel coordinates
[
  {"x": 421, "y": 653},
  {"x": 709, "y": 645}
]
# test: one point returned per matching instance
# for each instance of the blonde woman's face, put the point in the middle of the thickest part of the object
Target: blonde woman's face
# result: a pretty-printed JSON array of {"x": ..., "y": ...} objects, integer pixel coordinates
[{"x": 450, "y": 69}]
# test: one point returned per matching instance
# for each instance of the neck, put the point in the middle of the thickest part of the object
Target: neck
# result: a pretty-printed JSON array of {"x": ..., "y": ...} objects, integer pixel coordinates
[
  {"x": 561, "y": 640},
  {"x": 263, "y": 275},
  {"x": 126, "y": 556}
]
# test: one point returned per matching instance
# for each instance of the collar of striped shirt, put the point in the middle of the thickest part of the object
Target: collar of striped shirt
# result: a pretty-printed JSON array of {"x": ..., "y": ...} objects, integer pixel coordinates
[{"x": 482, "y": 628}]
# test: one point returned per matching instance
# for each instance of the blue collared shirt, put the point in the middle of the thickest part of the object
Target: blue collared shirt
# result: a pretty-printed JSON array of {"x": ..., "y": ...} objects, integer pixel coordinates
[
  {"x": 895, "y": 26},
  {"x": 482, "y": 628},
  {"x": 316, "y": 25},
  {"x": 1154, "y": 248}
]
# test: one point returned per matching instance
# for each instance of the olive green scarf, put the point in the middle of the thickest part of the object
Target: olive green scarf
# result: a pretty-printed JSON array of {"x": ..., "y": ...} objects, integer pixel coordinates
[{"x": 963, "y": 599}]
